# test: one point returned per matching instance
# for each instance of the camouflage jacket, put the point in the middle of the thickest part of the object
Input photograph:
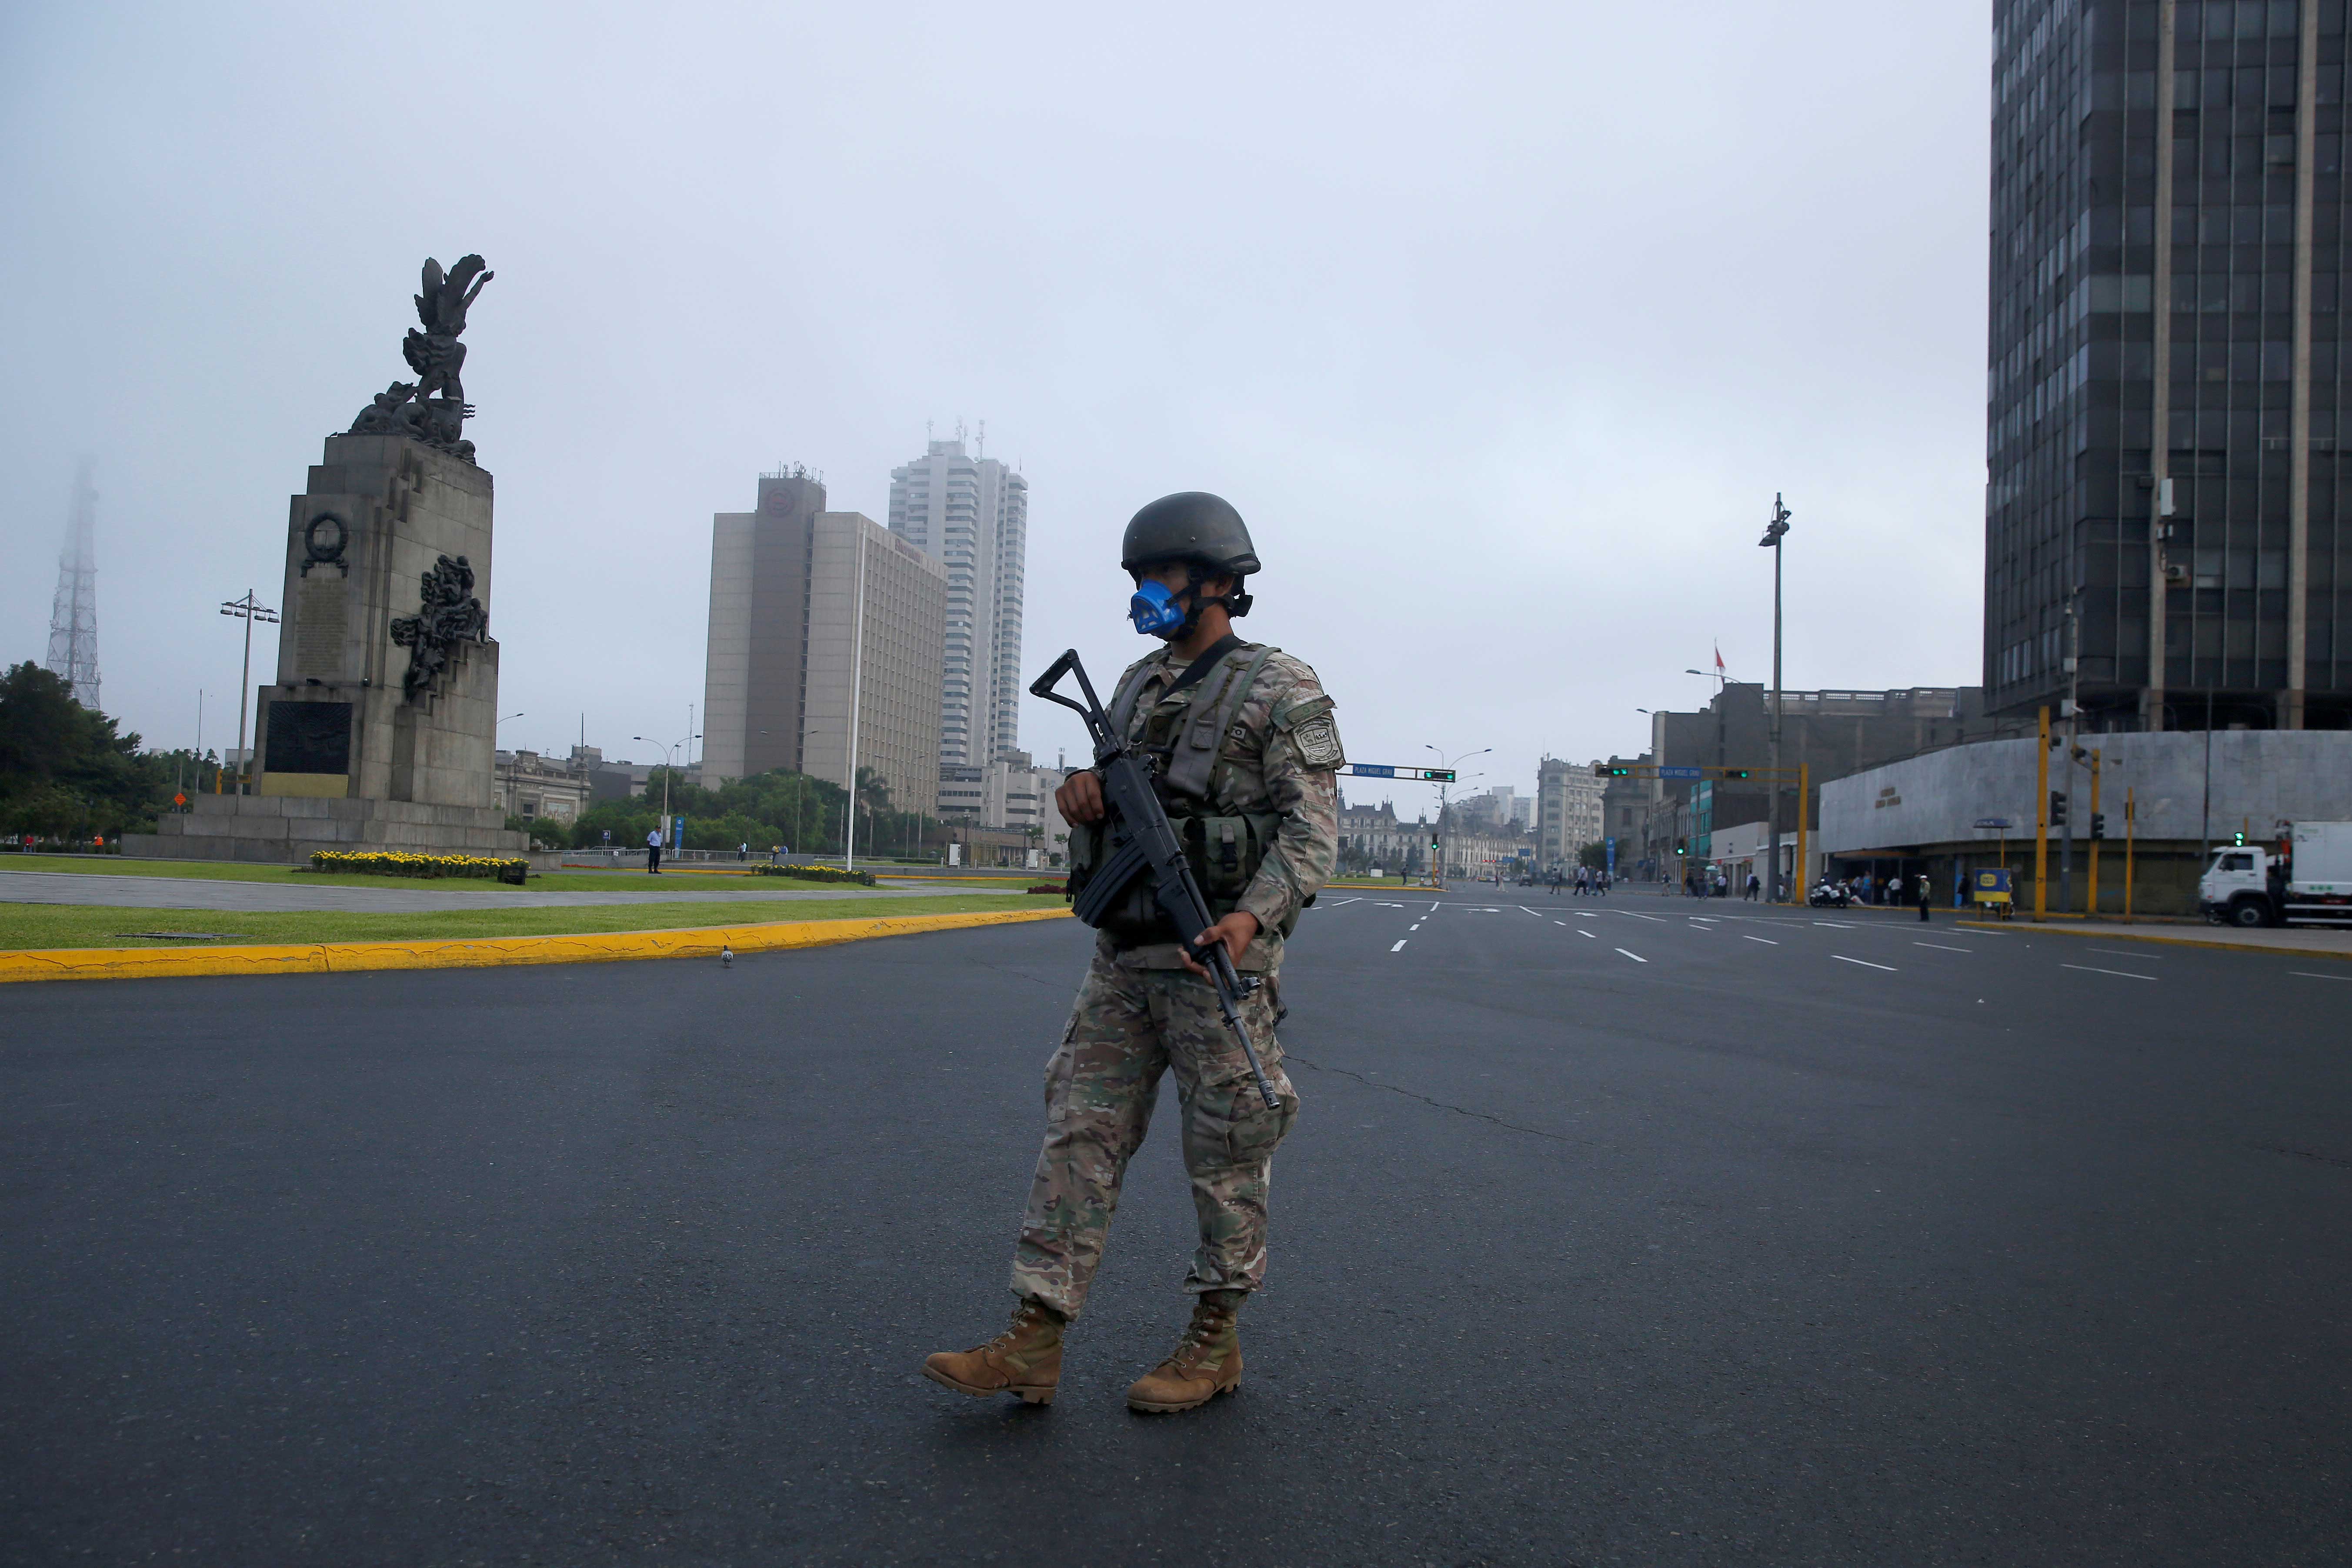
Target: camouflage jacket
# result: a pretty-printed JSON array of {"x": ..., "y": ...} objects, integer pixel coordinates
[{"x": 1278, "y": 759}]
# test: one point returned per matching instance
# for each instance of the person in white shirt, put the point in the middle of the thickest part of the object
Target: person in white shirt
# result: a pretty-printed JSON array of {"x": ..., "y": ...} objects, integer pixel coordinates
[{"x": 653, "y": 852}]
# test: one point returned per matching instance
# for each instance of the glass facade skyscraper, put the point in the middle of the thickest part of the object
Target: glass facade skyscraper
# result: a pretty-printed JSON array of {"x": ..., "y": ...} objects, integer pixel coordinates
[{"x": 2167, "y": 261}]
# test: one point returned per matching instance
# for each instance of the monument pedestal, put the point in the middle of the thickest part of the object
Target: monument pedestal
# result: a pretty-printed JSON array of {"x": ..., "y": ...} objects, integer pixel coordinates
[
  {"x": 380, "y": 732},
  {"x": 288, "y": 829}
]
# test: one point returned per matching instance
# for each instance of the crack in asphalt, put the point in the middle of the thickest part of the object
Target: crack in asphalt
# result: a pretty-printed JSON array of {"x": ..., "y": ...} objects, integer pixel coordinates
[
  {"x": 1288, "y": 1057},
  {"x": 2296, "y": 1153}
]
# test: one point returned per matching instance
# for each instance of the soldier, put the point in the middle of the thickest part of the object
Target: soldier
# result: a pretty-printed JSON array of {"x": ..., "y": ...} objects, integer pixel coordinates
[{"x": 1247, "y": 751}]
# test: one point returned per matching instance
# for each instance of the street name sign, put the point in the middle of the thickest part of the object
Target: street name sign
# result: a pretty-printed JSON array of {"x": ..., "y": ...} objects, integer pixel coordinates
[{"x": 1384, "y": 771}]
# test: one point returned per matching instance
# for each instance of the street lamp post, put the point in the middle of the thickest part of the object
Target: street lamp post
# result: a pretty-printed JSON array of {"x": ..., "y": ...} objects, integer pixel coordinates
[
  {"x": 248, "y": 610},
  {"x": 668, "y": 768},
  {"x": 1437, "y": 872},
  {"x": 1775, "y": 531}
]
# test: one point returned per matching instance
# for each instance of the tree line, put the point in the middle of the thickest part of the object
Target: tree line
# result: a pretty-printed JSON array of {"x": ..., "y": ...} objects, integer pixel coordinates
[{"x": 68, "y": 773}]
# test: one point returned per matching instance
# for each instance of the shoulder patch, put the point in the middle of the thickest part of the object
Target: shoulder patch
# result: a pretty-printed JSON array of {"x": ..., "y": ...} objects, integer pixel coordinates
[
  {"x": 1292, "y": 715},
  {"x": 1318, "y": 740}
]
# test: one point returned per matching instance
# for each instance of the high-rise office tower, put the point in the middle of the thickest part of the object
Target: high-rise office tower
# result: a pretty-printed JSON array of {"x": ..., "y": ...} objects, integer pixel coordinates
[
  {"x": 2167, "y": 268},
  {"x": 822, "y": 622},
  {"x": 972, "y": 514}
]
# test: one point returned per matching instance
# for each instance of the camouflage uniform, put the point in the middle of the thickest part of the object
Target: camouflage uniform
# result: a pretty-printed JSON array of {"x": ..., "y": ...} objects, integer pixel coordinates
[{"x": 1140, "y": 1012}]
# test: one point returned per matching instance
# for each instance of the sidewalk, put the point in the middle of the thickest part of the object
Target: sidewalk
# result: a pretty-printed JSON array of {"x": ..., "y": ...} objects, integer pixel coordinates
[{"x": 2318, "y": 941}]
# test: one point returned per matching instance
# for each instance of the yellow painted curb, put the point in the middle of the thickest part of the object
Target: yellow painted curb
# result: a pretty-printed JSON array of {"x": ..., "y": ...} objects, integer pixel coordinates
[
  {"x": 2024, "y": 925},
  {"x": 481, "y": 952}
]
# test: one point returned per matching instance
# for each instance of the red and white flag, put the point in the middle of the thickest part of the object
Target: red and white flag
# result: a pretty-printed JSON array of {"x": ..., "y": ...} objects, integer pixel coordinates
[{"x": 1719, "y": 658}]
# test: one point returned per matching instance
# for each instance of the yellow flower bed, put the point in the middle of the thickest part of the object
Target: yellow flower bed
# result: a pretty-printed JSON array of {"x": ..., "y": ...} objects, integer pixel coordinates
[{"x": 398, "y": 863}]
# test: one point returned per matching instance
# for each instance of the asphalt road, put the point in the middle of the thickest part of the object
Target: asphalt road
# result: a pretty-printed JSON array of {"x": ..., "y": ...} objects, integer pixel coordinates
[{"x": 1607, "y": 1235}]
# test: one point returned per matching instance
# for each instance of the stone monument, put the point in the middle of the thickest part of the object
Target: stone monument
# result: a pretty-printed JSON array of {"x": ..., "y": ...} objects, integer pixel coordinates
[{"x": 380, "y": 732}]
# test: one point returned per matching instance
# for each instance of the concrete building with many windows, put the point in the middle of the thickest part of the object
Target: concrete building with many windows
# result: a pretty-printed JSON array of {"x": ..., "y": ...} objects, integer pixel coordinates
[
  {"x": 971, "y": 514},
  {"x": 2167, "y": 485},
  {"x": 1831, "y": 733},
  {"x": 1567, "y": 809},
  {"x": 819, "y": 621}
]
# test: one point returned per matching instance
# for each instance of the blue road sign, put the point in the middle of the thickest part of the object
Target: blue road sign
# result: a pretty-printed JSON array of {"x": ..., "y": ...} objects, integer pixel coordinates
[
  {"x": 1682, "y": 773},
  {"x": 1994, "y": 822},
  {"x": 1387, "y": 771}
]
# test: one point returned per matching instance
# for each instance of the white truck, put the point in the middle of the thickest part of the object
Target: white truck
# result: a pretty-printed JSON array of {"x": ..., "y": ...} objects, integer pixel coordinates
[{"x": 2311, "y": 881}]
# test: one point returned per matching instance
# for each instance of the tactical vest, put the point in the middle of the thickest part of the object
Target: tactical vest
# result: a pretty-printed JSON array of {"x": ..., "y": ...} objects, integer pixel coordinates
[{"x": 1224, "y": 850}]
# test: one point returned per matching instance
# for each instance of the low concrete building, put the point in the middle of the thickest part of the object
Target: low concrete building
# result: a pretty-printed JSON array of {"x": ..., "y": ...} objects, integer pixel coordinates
[{"x": 2187, "y": 790}]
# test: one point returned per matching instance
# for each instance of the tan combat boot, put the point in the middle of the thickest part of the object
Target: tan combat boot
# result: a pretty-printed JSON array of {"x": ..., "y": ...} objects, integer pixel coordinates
[
  {"x": 1026, "y": 1359},
  {"x": 1205, "y": 1362}
]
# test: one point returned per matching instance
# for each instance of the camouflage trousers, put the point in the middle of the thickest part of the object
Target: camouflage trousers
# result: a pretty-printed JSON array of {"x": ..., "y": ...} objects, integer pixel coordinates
[{"x": 1129, "y": 1027}]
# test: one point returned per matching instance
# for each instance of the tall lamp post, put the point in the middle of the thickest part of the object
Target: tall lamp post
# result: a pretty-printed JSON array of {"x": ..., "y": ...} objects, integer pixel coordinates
[
  {"x": 248, "y": 610},
  {"x": 1437, "y": 872},
  {"x": 1774, "y": 531},
  {"x": 667, "y": 769}
]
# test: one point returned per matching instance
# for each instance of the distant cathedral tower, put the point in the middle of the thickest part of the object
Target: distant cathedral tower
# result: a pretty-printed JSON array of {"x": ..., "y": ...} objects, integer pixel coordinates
[{"x": 73, "y": 622}]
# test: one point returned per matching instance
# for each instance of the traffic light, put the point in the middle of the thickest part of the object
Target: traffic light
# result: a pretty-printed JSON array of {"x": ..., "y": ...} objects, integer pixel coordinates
[
  {"x": 2098, "y": 824},
  {"x": 1438, "y": 775},
  {"x": 2057, "y": 808},
  {"x": 1734, "y": 772},
  {"x": 1682, "y": 846},
  {"x": 2238, "y": 840},
  {"x": 1612, "y": 770}
]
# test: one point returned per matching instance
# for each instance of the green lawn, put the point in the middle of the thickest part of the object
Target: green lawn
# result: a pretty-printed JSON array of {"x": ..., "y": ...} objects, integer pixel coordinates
[
  {"x": 32, "y": 926},
  {"x": 236, "y": 871}
]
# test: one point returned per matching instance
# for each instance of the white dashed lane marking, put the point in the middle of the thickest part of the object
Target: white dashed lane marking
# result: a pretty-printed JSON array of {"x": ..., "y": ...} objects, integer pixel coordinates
[
  {"x": 2307, "y": 975},
  {"x": 1842, "y": 957},
  {"x": 1525, "y": 911},
  {"x": 1766, "y": 940},
  {"x": 1399, "y": 947},
  {"x": 2094, "y": 969},
  {"x": 1640, "y": 916},
  {"x": 1635, "y": 956},
  {"x": 2121, "y": 952},
  {"x": 1941, "y": 948},
  {"x": 1582, "y": 931}
]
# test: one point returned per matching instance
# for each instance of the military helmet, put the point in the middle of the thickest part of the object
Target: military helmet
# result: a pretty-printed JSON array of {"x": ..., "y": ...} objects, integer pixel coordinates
[{"x": 1191, "y": 525}]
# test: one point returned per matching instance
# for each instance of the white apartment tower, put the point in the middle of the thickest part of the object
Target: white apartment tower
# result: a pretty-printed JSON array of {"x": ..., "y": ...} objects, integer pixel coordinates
[{"x": 971, "y": 513}]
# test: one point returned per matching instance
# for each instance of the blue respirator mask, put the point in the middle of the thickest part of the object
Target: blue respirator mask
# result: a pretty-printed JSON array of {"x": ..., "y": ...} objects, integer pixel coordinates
[{"x": 1154, "y": 610}]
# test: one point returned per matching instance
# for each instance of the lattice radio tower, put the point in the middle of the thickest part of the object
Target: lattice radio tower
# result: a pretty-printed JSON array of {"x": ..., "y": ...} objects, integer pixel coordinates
[{"x": 73, "y": 622}]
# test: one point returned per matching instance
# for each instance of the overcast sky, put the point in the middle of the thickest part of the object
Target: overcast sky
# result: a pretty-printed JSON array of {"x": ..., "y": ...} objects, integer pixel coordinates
[{"x": 1501, "y": 325}]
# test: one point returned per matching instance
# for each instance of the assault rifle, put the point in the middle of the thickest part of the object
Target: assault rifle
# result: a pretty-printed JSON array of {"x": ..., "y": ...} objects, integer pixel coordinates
[{"x": 1142, "y": 842}]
